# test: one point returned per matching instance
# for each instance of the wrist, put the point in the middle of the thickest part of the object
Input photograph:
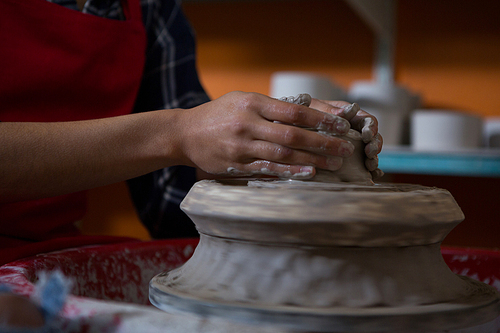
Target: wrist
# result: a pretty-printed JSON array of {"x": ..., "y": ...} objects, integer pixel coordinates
[{"x": 166, "y": 139}]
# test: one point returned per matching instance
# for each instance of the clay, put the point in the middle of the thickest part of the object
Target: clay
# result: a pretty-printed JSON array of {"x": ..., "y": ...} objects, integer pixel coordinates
[
  {"x": 320, "y": 277},
  {"x": 301, "y": 99},
  {"x": 334, "y": 253},
  {"x": 333, "y": 214},
  {"x": 353, "y": 168},
  {"x": 315, "y": 254},
  {"x": 306, "y": 174}
]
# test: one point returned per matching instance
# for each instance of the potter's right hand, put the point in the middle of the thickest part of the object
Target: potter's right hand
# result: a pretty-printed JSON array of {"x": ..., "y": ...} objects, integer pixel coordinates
[
  {"x": 248, "y": 133},
  {"x": 361, "y": 121}
]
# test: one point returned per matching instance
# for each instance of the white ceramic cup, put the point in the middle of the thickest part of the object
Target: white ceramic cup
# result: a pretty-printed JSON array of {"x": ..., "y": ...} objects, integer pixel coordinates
[
  {"x": 292, "y": 83},
  {"x": 445, "y": 130}
]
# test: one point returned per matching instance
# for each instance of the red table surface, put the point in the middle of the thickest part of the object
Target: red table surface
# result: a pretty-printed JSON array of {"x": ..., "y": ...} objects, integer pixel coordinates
[{"x": 121, "y": 272}]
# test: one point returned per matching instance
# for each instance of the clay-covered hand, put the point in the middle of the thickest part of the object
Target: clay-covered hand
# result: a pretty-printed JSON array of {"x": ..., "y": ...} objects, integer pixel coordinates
[
  {"x": 248, "y": 133},
  {"x": 361, "y": 121}
]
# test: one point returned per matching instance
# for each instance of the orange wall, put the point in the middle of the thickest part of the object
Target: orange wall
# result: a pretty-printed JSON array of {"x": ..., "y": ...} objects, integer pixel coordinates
[
  {"x": 448, "y": 51},
  {"x": 110, "y": 212}
]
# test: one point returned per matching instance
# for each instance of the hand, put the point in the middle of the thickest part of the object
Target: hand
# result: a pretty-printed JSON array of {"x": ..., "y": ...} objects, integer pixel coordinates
[
  {"x": 247, "y": 133},
  {"x": 361, "y": 121}
]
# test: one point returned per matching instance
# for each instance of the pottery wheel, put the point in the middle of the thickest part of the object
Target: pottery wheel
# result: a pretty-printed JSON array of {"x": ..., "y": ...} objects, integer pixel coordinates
[
  {"x": 323, "y": 257},
  {"x": 335, "y": 254}
]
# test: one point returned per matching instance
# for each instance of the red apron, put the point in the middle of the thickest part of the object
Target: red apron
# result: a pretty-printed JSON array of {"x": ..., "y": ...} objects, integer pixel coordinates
[{"x": 58, "y": 64}]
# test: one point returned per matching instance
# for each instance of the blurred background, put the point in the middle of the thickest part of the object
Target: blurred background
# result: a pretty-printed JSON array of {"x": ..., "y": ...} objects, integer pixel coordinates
[{"x": 445, "y": 52}]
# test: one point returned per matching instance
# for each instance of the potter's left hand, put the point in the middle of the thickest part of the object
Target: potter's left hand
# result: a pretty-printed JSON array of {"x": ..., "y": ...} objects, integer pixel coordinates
[{"x": 363, "y": 122}]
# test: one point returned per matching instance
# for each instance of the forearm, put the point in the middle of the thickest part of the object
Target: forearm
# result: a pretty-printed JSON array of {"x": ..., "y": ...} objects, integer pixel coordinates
[
  {"x": 48, "y": 159},
  {"x": 237, "y": 134}
]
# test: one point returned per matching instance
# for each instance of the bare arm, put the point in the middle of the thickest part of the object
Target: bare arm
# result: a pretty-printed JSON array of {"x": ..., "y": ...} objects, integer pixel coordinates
[
  {"x": 47, "y": 159},
  {"x": 234, "y": 134}
]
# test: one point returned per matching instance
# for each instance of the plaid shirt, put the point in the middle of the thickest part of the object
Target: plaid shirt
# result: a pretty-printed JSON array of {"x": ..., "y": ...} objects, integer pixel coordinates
[{"x": 170, "y": 81}]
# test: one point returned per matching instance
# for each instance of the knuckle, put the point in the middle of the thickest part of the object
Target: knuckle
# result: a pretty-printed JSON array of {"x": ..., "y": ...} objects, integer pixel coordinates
[
  {"x": 315, "y": 160},
  {"x": 246, "y": 100},
  {"x": 328, "y": 143},
  {"x": 282, "y": 153},
  {"x": 294, "y": 114},
  {"x": 333, "y": 110},
  {"x": 290, "y": 137},
  {"x": 235, "y": 152},
  {"x": 238, "y": 127}
]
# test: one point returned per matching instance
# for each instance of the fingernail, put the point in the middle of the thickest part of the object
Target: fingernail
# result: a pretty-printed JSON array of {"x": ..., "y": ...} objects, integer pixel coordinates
[
  {"x": 367, "y": 132},
  {"x": 366, "y": 135},
  {"x": 342, "y": 126},
  {"x": 346, "y": 149},
  {"x": 304, "y": 173},
  {"x": 351, "y": 110},
  {"x": 307, "y": 169},
  {"x": 334, "y": 163}
]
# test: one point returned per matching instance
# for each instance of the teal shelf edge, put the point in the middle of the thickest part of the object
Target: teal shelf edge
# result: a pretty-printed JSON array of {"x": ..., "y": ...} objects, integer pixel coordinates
[{"x": 472, "y": 163}]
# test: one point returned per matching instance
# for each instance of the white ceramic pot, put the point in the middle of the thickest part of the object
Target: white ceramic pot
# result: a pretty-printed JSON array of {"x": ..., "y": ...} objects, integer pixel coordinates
[
  {"x": 295, "y": 83},
  {"x": 445, "y": 130},
  {"x": 491, "y": 132},
  {"x": 390, "y": 104}
]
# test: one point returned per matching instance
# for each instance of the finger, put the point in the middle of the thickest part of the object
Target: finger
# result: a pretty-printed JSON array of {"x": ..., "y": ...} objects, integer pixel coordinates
[
  {"x": 366, "y": 124},
  {"x": 269, "y": 168},
  {"x": 300, "y": 138},
  {"x": 339, "y": 108},
  {"x": 371, "y": 163},
  {"x": 263, "y": 150},
  {"x": 332, "y": 107},
  {"x": 376, "y": 174},
  {"x": 360, "y": 120},
  {"x": 300, "y": 115},
  {"x": 374, "y": 147},
  {"x": 350, "y": 111}
]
